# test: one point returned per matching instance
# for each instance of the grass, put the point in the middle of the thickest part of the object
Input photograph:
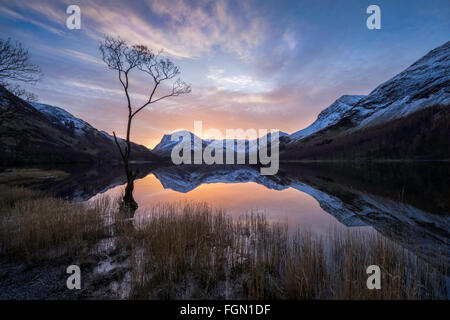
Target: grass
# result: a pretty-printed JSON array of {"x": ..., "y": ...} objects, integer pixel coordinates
[
  {"x": 193, "y": 251},
  {"x": 36, "y": 227},
  {"x": 20, "y": 176}
]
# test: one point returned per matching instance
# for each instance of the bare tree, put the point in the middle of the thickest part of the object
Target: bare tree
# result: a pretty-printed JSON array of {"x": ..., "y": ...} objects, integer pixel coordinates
[
  {"x": 15, "y": 66},
  {"x": 20, "y": 92},
  {"x": 121, "y": 57}
]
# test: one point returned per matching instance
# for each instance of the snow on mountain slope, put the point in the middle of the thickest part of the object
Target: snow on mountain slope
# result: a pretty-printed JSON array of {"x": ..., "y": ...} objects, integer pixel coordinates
[
  {"x": 424, "y": 84},
  {"x": 165, "y": 146},
  {"x": 84, "y": 138},
  {"x": 329, "y": 116},
  {"x": 60, "y": 116},
  {"x": 167, "y": 143}
]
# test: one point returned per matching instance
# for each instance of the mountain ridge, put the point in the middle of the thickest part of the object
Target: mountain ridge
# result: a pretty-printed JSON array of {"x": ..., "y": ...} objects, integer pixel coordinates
[
  {"x": 424, "y": 84},
  {"x": 40, "y": 133},
  {"x": 328, "y": 116},
  {"x": 56, "y": 135},
  {"x": 164, "y": 147}
]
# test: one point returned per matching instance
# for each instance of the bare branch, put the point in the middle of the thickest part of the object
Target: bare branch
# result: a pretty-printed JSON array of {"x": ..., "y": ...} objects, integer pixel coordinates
[
  {"x": 15, "y": 66},
  {"x": 121, "y": 57},
  {"x": 15, "y": 63},
  {"x": 118, "y": 146},
  {"x": 20, "y": 92},
  {"x": 179, "y": 87}
]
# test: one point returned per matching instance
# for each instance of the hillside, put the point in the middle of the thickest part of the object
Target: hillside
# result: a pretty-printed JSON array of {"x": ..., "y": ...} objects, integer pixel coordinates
[
  {"x": 423, "y": 135},
  {"x": 328, "y": 116},
  {"x": 45, "y": 134},
  {"x": 392, "y": 122}
]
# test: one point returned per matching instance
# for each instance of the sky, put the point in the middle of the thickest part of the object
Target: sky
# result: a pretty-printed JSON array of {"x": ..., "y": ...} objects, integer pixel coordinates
[{"x": 251, "y": 64}]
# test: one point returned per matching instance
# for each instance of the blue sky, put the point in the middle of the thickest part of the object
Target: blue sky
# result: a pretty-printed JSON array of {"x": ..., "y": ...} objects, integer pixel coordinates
[{"x": 251, "y": 64}]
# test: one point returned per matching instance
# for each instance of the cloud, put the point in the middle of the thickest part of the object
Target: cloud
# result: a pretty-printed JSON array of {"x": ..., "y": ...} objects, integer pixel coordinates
[
  {"x": 204, "y": 25},
  {"x": 17, "y": 16},
  {"x": 236, "y": 82},
  {"x": 102, "y": 89},
  {"x": 289, "y": 38},
  {"x": 183, "y": 28},
  {"x": 82, "y": 56}
]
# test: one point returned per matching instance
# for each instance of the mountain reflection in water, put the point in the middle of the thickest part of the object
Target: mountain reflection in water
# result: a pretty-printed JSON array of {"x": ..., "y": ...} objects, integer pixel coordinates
[{"x": 403, "y": 201}]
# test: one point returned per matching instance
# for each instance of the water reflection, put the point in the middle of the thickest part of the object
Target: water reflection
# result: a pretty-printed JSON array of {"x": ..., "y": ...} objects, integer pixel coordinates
[{"x": 400, "y": 200}]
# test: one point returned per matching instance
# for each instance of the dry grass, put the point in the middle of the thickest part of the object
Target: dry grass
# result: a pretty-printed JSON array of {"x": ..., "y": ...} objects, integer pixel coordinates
[
  {"x": 18, "y": 176},
  {"x": 36, "y": 227},
  {"x": 192, "y": 251},
  {"x": 10, "y": 195}
]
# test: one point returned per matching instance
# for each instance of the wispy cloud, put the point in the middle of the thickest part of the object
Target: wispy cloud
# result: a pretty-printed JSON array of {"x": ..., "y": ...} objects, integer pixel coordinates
[
  {"x": 99, "y": 88},
  {"x": 17, "y": 16},
  {"x": 183, "y": 28},
  {"x": 82, "y": 56},
  {"x": 235, "y": 82}
]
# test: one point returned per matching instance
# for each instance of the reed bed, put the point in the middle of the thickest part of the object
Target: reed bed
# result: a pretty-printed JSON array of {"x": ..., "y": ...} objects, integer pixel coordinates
[
  {"x": 189, "y": 250},
  {"x": 193, "y": 251},
  {"x": 35, "y": 227}
]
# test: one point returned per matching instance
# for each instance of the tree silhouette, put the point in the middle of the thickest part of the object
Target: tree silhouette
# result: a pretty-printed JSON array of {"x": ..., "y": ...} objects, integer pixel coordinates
[
  {"x": 15, "y": 66},
  {"x": 123, "y": 58}
]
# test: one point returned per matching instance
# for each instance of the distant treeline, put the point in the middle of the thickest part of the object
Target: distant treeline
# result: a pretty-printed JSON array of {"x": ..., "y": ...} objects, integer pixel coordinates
[{"x": 422, "y": 135}]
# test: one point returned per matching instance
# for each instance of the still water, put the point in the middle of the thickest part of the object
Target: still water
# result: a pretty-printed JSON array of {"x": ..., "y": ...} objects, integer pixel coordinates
[
  {"x": 290, "y": 206},
  {"x": 398, "y": 200}
]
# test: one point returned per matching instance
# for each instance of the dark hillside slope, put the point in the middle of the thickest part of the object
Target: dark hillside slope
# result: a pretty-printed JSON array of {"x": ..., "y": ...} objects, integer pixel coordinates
[
  {"x": 422, "y": 135},
  {"x": 29, "y": 136}
]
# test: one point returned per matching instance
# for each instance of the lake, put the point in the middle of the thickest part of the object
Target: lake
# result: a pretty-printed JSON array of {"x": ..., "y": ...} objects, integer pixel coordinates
[{"x": 399, "y": 200}]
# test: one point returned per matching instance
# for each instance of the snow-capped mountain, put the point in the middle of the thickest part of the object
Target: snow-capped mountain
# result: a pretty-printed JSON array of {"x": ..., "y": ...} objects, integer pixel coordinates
[
  {"x": 403, "y": 118},
  {"x": 424, "y": 84},
  {"x": 41, "y": 133},
  {"x": 328, "y": 116},
  {"x": 168, "y": 141},
  {"x": 59, "y": 116},
  {"x": 77, "y": 126}
]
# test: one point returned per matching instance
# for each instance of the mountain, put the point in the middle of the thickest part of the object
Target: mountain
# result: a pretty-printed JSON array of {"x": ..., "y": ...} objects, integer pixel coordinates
[
  {"x": 384, "y": 117},
  {"x": 62, "y": 118},
  {"x": 168, "y": 141},
  {"x": 390, "y": 122},
  {"x": 78, "y": 127},
  {"x": 328, "y": 116},
  {"x": 39, "y": 133},
  {"x": 422, "y": 135},
  {"x": 424, "y": 84}
]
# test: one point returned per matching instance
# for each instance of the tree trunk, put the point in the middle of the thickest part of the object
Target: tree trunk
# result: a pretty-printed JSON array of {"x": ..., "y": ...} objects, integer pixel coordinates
[
  {"x": 128, "y": 199},
  {"x": 128, "y": 202}
]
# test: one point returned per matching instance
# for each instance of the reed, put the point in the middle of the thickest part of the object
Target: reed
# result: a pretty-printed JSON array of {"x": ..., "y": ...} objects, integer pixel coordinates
[
  {"x": 194, "y": 251},
  {"x": 36, "y": 227},
  {"x": 188, "y": 250}
]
